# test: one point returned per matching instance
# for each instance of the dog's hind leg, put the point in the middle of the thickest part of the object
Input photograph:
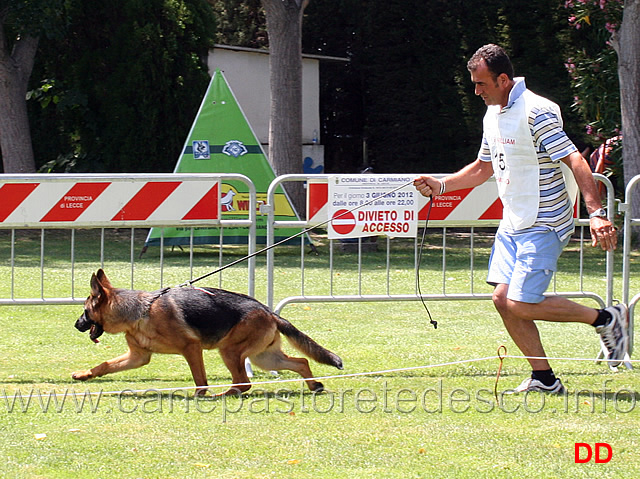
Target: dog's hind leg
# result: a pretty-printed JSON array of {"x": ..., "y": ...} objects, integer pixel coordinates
[
  {"x": 234, "y": 360},
  {"x": 255, "y": 332},
  {"x": 274, "y": 358}
]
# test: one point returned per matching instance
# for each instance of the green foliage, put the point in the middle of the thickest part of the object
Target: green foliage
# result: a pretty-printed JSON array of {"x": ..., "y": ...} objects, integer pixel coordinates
[
  {"x": 63, "y": 163},
  {"x": 37, "y": 18},
  {"x": 414, "y": 112},
  {"x": 537, "y": 42},
  {"x": 241, "y": 24},
  {"x": 45, "y": 94},
  {"x": 593, "y": 65},
  {"x": 407, "y": 89},
  {"x": 122, "y": 86},
  {"x": 341, "y": 83},
  {"x": 129, "y": 77}
]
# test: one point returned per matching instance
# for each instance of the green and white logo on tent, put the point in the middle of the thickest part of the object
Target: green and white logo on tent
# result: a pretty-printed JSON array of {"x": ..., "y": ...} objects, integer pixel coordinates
[{"x": 222, "y": 141}]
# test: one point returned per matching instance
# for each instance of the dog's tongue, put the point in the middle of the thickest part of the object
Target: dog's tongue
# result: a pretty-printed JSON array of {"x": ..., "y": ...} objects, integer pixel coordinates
[{"x": 92, "y": 334}]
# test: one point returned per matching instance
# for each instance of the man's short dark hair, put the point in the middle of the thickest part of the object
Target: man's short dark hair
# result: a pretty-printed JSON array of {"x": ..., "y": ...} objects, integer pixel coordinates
[{"x": 495, "y": 57}]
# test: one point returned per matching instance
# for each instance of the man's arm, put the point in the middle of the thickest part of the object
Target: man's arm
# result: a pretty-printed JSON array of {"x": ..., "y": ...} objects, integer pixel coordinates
[
  {"x": 602, "y": 231},
  {"x": 473, "y": 174}
]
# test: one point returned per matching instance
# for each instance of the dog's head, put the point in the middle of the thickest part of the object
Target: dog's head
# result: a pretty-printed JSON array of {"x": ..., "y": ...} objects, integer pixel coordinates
[{"x": 91, "y": 320}]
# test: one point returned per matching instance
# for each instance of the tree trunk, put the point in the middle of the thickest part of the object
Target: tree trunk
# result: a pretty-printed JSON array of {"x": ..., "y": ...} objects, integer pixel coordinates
[
  {"x": 284, "y": 26},
  {"x": 15, "y": 134},
  {"x": 627, "y": 45}
]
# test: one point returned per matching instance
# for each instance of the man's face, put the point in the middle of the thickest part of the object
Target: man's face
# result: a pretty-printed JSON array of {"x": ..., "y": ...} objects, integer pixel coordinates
[{"x": 494, "y": 91}]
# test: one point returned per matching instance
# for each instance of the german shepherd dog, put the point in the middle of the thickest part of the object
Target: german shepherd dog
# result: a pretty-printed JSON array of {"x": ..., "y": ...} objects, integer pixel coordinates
[{"x": 186, "y": 320}]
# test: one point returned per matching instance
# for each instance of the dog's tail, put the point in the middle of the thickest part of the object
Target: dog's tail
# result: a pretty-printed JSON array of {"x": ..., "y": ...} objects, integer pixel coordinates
[{"x": 306, "y": 345}]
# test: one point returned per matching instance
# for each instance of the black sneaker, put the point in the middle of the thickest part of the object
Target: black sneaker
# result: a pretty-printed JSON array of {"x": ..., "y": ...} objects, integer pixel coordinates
[
  {"x": 531, "y": 384},
  {"x": 614, "y": 337}
]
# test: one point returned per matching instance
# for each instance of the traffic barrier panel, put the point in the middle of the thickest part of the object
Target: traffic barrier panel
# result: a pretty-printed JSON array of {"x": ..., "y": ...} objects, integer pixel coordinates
[
  {"x": 108, "y": 201},
  {"x": 79, "y": 202}
]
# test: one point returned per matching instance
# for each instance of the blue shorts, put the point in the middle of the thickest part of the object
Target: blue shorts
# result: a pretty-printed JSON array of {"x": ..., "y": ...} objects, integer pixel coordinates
[{"x": 525, "y": 260}]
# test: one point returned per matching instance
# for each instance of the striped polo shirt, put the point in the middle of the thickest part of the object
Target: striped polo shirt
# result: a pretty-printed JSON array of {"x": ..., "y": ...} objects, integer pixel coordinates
[{"x": 551, "y": 145}]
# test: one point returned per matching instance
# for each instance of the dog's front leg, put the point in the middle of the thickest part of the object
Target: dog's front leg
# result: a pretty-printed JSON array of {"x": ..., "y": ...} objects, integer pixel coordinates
[
  {"x": 193, "y": 354},
  {"x": 134, "y": 358}
]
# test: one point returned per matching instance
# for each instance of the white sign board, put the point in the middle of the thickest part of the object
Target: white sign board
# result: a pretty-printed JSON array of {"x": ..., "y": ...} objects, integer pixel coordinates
[{"x": 372, "y": 205}]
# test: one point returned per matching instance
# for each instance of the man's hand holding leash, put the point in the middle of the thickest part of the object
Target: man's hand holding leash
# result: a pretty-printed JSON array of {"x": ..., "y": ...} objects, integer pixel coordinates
[{"x": 429, "y": 186}]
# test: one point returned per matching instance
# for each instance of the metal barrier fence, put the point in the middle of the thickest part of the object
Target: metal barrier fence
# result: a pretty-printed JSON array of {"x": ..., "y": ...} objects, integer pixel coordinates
[
  {"x": 470, "y": 226},
  {"x": 629, "y": 222},
  {"x": 39, "y": 205},
  {"x": 95, "y": 210}
]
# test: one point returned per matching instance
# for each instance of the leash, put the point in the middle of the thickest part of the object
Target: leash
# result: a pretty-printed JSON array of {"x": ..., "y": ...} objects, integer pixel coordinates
[
  {"x": 303, "y": 232},
  {"x": 424, "y": 234},
  {"x": 307, "y": 230}
]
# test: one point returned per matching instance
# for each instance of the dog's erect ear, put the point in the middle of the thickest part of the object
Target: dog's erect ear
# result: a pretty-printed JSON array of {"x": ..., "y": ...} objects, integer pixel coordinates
[
  {"x": 96, "y": 287},
  {"x": 104, "y": 281},
  {"x": 99, "y": 284},
  {"x": 101, "y": 275}
]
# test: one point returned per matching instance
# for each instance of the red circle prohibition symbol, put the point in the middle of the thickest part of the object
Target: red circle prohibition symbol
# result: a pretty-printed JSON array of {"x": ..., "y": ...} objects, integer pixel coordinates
[{"x": 343, "y": 222}]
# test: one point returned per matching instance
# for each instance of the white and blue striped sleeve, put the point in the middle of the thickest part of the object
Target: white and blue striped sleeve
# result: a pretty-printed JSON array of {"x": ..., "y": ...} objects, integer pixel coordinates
[
  {"x": 549, "y": 136},
  {"x": 485, "y": 153}
]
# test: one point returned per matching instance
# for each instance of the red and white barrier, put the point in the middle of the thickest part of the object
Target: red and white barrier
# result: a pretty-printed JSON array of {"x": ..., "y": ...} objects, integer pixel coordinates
[
  {"x": 109, "y": 201},
  {"x": 473, "y": 206}
]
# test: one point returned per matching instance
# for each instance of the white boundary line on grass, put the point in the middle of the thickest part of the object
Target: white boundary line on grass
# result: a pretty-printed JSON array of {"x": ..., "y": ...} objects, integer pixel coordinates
[
  {"x": 295, "y": 380},
  {"x": 551, "y": 358}
]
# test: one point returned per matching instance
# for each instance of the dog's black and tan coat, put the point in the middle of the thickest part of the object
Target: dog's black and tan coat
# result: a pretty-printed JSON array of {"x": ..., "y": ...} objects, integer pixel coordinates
[{"x": 188, "y": 320}]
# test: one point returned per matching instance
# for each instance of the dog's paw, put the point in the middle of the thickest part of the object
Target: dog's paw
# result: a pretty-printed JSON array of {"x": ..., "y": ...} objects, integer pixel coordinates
[
  {"x": 202, "y": 392},
  {"x": 82, "y": 375},
  {"x": 317, "y": 387}
]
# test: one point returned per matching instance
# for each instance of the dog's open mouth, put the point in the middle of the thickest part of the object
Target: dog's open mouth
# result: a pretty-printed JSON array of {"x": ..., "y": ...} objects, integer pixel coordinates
[
  {"x": 95, "y": 332},
  {"x": 85, "y": 323}
]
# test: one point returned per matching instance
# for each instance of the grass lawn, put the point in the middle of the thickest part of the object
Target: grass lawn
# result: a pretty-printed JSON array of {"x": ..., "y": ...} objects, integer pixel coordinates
[{"x": 427, "y": 410}]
